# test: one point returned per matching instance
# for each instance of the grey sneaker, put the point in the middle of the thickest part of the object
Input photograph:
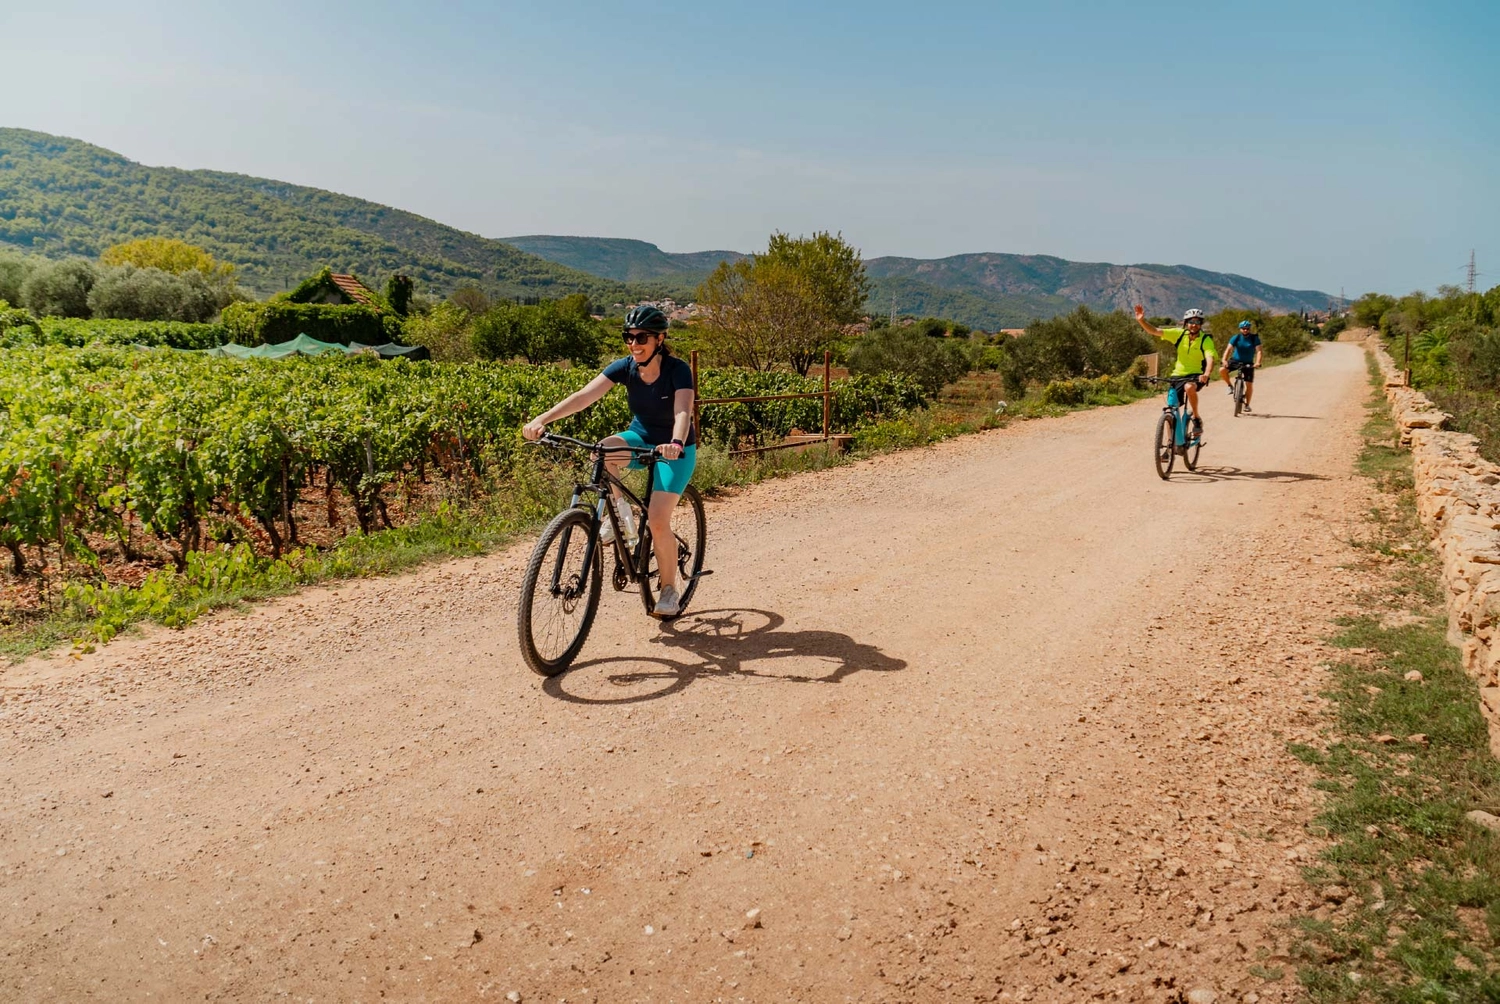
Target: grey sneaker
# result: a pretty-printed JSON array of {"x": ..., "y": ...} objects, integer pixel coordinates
[
  {"x": 667, "y": 604},
  {"x": 1247, "y": 406}
]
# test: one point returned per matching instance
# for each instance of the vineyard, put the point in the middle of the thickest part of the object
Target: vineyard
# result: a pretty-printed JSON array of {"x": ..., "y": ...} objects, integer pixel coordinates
[{"x": 128, "y": 453}]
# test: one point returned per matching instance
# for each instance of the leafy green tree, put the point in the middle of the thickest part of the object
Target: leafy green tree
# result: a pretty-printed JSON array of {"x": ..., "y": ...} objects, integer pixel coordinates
[
  {"x": 542, "y": 333},
  {"x": 1370, "y": 308},
  {"x": 907, "y": 351},
  {"x": 736, "y": 328},
  {"x": 169, "y": 255},
  {"x": 1284, "y": 335},
  {"x": 786, "y": 305},
  {"x": 59, "y": 289},
  {"x": 13, "y": 272},
  {"x": 471, "y": 298},
  {"x": 576, "y": 304},
  {"x": 447, "y": 331},
  {"x": 831, "y": 266}
]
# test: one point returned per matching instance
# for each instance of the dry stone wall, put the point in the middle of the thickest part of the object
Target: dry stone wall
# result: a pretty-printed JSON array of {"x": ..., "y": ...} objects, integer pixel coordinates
[{"x": 1458, "y": 498}]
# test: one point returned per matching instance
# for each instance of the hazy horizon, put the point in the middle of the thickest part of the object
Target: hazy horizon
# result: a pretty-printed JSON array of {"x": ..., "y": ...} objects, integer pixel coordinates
[{"x": 1347, "y": 146}]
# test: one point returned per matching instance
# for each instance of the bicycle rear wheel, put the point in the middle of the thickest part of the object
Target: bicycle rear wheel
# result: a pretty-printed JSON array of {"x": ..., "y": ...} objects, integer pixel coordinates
[
  {"x": 1239, "y": 394},
  {"x": 690, "y": 527},
  {"x": 559, "y": 597},
  {"x": 1190, "y": 452},
  {"x": 1166, "y": 446}
]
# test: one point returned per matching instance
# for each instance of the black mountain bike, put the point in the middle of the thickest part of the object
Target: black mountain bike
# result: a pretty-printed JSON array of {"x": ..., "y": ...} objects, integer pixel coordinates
[{"x": 560, "y": 592}]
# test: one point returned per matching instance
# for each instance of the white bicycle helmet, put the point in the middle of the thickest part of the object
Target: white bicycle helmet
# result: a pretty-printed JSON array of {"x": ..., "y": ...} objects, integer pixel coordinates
[{"x": 1192, "y": 315}]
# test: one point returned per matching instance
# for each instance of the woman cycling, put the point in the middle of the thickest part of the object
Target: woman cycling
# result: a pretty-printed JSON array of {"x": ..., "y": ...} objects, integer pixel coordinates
[{"x": 660, "y": 389}]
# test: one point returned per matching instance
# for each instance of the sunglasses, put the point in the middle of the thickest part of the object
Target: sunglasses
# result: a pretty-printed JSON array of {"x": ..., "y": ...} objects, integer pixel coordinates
[{"x": 644, "y": 338}]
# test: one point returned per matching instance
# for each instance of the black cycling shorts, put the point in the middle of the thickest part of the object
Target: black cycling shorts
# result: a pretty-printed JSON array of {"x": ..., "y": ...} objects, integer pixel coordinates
[{"x": 1248, "y": 369}]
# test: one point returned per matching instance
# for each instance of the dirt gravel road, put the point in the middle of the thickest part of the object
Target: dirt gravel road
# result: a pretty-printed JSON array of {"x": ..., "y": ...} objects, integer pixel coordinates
[{"x": 1003, "y": 719}]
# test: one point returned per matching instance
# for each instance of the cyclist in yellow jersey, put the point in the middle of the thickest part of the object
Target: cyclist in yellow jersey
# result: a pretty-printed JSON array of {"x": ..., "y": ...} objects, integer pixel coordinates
[{"x": 1195, "y": 355}]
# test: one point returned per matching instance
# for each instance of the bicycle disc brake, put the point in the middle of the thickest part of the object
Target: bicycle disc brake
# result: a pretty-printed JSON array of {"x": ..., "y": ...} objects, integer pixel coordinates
[{"x": 620, "y": 578}]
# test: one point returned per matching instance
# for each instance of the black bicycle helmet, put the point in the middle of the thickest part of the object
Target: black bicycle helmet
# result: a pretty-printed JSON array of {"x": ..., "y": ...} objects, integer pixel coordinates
[{"x": 646, "y": 318}]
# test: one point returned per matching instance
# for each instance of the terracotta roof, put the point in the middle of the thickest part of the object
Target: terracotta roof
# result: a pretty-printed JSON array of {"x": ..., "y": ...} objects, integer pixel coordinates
[{"x": 353, "y": 288}]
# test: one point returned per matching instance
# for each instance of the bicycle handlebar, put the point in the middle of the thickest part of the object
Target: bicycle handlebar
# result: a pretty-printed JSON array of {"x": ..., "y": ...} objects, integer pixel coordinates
[{"x": 555, "y": 440}]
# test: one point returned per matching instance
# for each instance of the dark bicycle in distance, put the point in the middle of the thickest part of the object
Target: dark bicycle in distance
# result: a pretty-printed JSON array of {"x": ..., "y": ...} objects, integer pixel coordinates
[{"x": 564, "y": 578}]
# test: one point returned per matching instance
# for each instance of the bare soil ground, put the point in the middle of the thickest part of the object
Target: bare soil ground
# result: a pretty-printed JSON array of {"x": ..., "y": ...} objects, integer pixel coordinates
[{"x": 1003, "y": 719}]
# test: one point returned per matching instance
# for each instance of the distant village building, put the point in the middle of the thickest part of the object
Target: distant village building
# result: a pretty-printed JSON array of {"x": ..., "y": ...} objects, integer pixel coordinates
[{"x": 670, "y": 307}]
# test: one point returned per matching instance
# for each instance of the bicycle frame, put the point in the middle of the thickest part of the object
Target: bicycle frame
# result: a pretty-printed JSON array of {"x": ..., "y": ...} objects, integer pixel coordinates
[
  {"x": 1178, "y": 408},
  {"x": 599, "y": 484},
  {"x": 1177, "y": 405}
]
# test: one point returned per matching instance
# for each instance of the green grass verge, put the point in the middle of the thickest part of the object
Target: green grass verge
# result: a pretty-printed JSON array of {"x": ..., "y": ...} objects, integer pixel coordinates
[
  {"x": 1406, "y": 759},
  {"x": 512, "y": 505}
]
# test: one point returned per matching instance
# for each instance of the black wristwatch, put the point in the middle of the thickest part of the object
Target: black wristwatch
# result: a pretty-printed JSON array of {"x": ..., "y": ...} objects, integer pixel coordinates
[{"x": 677, "y": 442}]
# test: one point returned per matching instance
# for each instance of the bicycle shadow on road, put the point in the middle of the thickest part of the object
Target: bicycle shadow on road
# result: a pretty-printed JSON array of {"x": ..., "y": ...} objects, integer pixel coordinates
[
  {"x": 742, "y": 644},
  {"x": 1266, "y": 414},
  {"x": 1204, "y": 475}
]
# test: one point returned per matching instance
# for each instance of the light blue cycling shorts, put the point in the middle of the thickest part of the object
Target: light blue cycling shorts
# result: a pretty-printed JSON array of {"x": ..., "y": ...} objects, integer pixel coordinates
[{"x": 671, "y": 475}]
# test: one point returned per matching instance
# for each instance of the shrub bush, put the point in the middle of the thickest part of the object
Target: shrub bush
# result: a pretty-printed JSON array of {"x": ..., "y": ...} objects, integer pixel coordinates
[
  {"x": 1082, "y": 343},
  {"x": 280, "y": 321},
  {"x": 543, "y": 333},
  {"x": 1286, "y": 335},
  {"x": 446, "y": 331},
  {"x": 1087, "y": 390},
  {"x": 908, "y": 351}
]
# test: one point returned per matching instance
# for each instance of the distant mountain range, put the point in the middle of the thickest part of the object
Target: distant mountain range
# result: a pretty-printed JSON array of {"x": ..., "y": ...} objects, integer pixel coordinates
[
  {"x": 623, "y": 259},
  {"x": 62, "y": 197},
  {"x": 987, "y": 290}
]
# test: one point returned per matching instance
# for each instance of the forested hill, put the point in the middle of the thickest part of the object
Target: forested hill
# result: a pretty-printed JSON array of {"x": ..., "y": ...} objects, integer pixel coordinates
[
  {"x": 64, "y": 197},
  {"x": 624, "y": 259}
]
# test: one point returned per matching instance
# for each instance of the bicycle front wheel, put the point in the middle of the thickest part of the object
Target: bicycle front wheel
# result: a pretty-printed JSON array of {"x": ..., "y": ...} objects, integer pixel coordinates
[
  {"x": 559, "y": 596},
  {"x": 1239, "y": 395},
  {"x": 690, "y": 528},
  {"x": 1166, "y": 446},
  {"x": 1190, "y": 453}
]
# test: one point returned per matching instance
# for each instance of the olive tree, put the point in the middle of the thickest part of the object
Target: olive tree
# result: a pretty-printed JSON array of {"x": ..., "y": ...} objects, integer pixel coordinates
[{"x": 59, "y": 289}]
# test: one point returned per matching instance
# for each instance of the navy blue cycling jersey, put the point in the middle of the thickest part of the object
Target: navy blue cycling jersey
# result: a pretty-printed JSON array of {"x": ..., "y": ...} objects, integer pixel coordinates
[
  {"x": 651, "y": 404},
  {"x": 1244, "y": 346}
]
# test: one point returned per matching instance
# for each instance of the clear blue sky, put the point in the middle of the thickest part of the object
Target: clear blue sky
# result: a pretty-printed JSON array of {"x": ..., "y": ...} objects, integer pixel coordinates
[{"x": 1311, "y": 145}]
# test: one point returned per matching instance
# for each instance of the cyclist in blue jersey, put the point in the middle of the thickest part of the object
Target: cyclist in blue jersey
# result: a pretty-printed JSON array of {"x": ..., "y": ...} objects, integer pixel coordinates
[
  {"x": 1242, "y": 353},
  {"x": 660, "y": 389}
]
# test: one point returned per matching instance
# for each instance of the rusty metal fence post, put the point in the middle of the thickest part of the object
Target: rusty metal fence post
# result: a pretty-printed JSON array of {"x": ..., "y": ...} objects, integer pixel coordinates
[{"x": 826, "y": 394}]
